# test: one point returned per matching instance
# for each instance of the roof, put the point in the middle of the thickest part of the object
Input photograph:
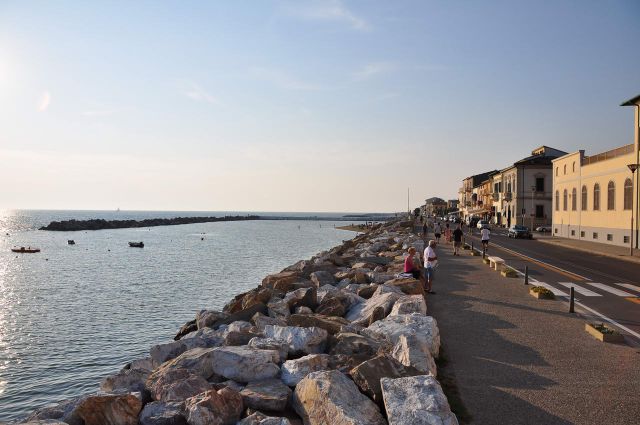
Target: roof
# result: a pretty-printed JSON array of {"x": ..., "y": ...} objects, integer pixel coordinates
[
  {"x": 435, "y": 200},
  {"x": 632, "y": 101}
]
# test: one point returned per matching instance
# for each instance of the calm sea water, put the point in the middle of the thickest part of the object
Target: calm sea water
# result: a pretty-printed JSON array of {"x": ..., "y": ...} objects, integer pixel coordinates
[{"x": 72, "y": 314}]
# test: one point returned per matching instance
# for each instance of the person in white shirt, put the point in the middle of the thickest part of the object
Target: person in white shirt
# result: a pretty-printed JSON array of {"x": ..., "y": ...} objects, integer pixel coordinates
[
  {"x": 437, "y": 231},
  {"x": 430, "y": 261},
  {"x": 484, "y": 237}
]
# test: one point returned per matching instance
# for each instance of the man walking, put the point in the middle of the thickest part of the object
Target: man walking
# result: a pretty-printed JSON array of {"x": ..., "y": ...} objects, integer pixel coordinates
[
  {"x": 430, "y": 262},
  {"x": 457, "y": 239}
]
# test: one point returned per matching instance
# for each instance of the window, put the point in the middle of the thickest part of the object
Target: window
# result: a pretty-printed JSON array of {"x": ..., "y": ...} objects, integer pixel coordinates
[
  {"x": 595, "y": 235},
  {"x": 539, "y": 211},
  {"x": 582, "y": 234},
  {"x": 611, "y": 196},
  {"x": 564, "y": 200},
  {"x": 565, "y": 169},
  {"x": 539, "y": 184},
  {"x": 628, "y": 194},
  {"x": 556, "y": 171},
  {"x": 609, "y": 237},
  {"x": 625, "y": 239},
  {"x": 555, "y": 230},
  {"x": 584, "y": 198},
  {"x": 596, "y": 197},
  {"x": 573, "y": 233},
  {"x": 574, "y": 166},
  {"x": 557, "y": 201},
  {"x": 574, "y": 199}
]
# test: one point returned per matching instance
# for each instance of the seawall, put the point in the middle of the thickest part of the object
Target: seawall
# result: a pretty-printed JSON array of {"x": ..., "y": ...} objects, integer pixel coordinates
[{"x": 338, "y": 338}]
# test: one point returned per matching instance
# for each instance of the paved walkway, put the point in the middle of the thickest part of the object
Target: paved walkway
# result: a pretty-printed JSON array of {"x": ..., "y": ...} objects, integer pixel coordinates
[
  {"x": 519, "y": 360},
  {"x": 615, "y": 251}
]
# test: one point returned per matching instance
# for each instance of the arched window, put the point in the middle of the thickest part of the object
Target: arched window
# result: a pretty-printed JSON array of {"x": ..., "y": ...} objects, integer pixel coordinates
[
  {"x": 596, "y": 197},
  {"x": 584, "y": 198},
  {"x": 564, "y": 200},
  {"x": 628, "y": 194},
  {"x": 574, "y": 199},
  {"x": 557, "y": 200},
  {"x": 611, "y": 196},
  {"x": 565, "y": 169}
]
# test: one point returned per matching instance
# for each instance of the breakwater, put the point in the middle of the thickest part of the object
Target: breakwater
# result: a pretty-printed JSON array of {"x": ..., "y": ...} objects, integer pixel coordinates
[
  {"x": 338, "y": 338},
  {"x": 101, "y": 224}
]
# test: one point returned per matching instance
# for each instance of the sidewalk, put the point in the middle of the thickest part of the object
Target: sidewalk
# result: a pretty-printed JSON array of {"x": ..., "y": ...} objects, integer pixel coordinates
[
  {"x": 615, "y": 251},
  {"x": 519, "y": 360}
]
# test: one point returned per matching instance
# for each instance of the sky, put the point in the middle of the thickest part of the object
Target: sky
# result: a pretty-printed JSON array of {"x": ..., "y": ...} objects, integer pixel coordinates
[{"x": 299, "y": 105}]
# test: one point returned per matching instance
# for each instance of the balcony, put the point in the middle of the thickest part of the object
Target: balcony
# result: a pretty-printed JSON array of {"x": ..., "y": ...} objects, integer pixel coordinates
[
  {"x": 507, "y": 196},
  {"x": 496, "y": 196}
]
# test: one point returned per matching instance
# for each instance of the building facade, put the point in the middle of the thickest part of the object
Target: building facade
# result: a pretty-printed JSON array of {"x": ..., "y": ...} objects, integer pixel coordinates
[{"x": 595, "y": 196}]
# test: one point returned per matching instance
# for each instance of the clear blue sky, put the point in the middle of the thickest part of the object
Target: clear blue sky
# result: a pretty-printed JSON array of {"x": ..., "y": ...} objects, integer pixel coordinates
[{"x": 299, "y": 106}]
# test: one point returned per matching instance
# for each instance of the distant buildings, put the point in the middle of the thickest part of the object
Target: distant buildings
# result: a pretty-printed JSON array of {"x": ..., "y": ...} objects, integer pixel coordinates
[
  {"x": 595, "y": 196},
  {"x": 435, "y": 206}
]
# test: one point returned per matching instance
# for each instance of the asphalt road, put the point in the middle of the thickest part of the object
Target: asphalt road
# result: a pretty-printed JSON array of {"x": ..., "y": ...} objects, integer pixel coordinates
[{"x": 604, "y": 286}]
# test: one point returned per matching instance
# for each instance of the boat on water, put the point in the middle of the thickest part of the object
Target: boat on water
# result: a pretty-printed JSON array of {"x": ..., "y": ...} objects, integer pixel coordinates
[
  {"x": 136, "y": 244},
  {"x": 24, "y": 250},
  {"x": 71, "y": 242}
]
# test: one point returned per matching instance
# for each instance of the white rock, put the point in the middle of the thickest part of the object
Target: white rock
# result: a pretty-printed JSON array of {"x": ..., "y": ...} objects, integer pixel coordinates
[
  {"x": 410, "y": 350},
  {"x": 361, "y": 313},
  {"x": 392, "y": 327},
  {"x": 409, "y": 304},
  {"x": 271, "y": 344},
  {"x": 293, "y": 371},
  {"x": 416, "y": 400},
  {"x": 301, "y": 340}
]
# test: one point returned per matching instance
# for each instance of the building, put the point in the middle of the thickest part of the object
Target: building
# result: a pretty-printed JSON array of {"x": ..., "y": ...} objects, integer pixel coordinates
[
  {"x": 468, "y": 193},
  {"x": 452, "y": 205},
  {"x": 594, "y": 196},
  {"x": 435, "y": 206},
  {"x": 522, "y": 192}
]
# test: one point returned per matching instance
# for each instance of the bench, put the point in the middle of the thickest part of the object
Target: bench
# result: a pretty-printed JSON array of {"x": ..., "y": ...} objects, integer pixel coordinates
[{"x": 496, "y": 263}]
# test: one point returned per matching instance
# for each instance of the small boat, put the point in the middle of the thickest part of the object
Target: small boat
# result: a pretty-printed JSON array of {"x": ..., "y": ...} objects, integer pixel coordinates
[
  {"x": 136, "y": 244},
  {"x": 24, "y": 250},
  {"x": 71, "y": 242}
]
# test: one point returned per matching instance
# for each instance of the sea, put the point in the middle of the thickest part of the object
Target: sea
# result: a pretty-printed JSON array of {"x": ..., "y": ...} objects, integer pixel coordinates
[{"x": 73, "y": 314}]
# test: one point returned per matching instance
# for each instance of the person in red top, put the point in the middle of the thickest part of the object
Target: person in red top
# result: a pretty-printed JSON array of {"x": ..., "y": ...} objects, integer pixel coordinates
[{"x": 410, "y": 264}]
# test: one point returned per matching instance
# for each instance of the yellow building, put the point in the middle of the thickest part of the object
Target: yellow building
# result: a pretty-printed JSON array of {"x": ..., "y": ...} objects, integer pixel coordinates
[{"x": 595, "y": 197}]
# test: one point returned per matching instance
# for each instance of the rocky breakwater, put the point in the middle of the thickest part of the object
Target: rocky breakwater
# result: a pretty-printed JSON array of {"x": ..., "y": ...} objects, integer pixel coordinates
[
  {"x": 101, "y": 224},
  {"x": 338, "y": 339}
]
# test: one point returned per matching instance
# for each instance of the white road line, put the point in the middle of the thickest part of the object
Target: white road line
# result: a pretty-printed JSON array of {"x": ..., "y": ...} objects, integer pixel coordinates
[
  {"x": 629, "y": 286},
  {"x": 552, "y": 289},
  {"x": 611, "y": 290},
  {"x": 580, "y": 290}
]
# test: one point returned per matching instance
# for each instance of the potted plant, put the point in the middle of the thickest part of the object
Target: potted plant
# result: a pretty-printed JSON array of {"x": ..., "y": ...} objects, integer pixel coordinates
[
  {"x": 541, "y": 293},
  {"x": 509, "y": 272},
  {"x": 603, "y": 333}
]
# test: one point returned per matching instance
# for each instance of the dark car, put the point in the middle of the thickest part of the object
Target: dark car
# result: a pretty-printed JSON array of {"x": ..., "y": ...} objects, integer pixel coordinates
[{"x": 519, "y": 231}]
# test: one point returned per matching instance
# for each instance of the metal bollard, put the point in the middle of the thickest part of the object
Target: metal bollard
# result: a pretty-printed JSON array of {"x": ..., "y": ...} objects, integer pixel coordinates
[
  {"x": 526, "y": 275},
  {"x": 571, "y": 295},
  {"x": 471, "y": 247}
]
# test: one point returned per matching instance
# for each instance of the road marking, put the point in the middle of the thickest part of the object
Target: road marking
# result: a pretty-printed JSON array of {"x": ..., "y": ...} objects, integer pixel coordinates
[
  {"x": 557, "y": 269},
  {"x": 580, "y": 290},
  {"x": 630, "y": 286},
  {"x": 552, "y": 289},
  {"x": 633, "y": 300},
  {"x": 611, "y": 290}
]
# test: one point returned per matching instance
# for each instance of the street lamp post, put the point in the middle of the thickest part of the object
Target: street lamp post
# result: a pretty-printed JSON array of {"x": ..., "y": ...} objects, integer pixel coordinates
[{"x": 633, "y": 168}]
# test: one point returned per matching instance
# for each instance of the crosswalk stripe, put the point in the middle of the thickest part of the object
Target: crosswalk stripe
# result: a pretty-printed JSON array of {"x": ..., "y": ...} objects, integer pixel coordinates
[
  {"x": 630, "y": 286},
  {"x": 611, "y": 290},
  {"x": 580, "y": 290},
  {"x": 552, "y": 289}
]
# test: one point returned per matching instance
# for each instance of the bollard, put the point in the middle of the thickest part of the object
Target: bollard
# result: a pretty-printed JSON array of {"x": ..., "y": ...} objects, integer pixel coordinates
[
  {"x": 526, "y": 275},
  {"x": 571, "y": 295},
  {"x": 472, "y": 247}
]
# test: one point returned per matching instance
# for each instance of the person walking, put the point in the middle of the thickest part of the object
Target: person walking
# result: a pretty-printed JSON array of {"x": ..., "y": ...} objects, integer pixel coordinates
[
  {"x": 430, "y": 264},
  {"x": 457, "y": 239},
  {"x": 424, "y": 229},
  {"x": 485, "y": 234},
  {"x": 437, "y": 232}
]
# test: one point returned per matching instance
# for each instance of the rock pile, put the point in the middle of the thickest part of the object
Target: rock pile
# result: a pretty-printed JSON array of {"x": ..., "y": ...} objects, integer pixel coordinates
[{"x": 337, "y": 339}]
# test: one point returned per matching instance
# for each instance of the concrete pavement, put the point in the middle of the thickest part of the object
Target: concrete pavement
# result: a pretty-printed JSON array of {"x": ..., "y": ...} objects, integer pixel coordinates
[{"x": 519, "y": 360}]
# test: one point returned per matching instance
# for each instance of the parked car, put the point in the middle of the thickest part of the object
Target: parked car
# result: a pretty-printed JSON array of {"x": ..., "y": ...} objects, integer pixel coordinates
[
  {"x": 482, "y": 224},
  {"x": 518, "y": 231},
  {"x": 543, "y": 229}
]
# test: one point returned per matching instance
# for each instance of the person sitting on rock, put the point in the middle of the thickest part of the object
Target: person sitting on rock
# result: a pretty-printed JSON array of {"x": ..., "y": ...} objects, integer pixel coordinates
[{"x": 410, "y": 265}]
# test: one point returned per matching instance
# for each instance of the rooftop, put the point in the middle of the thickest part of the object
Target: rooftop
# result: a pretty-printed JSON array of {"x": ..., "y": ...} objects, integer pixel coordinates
[{"x": 631, "y": 102}]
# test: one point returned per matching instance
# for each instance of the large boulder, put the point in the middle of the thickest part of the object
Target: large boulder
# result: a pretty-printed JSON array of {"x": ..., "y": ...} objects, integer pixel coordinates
[
  {"x": 208, "y": 318},
  {"x": 322, "y": 277},
  {"x": 293, "y": 371},
  {"x": 381, "y": 277},
  {"x": 261, "y": 419},
  {"x": 409, "y": 304},
  {"x": 257, "y": 296},
  {"x": 368, "y": 373},
  {"x": 356, "y": 348},
  {"x": 416, "y": 400},
  {"x": 329, "y": 397},
  {"x": 301, "y": 340},
  {"x": 332, "y": 325},
  {"x": 161, "y": 413},
  {"x": 109, "y": 409},
  {"x": 424, "y": 327},
  {"x": 177, "y": 385},
  {"x": 271, "y": 344},
  {"x": 331, "y": 306},
  {"x": 129, "y": 379},
  {"x": 268, "y": 394},
  {"x": 260, "y": 321},
  {"x": 282, "y": 281},
  {"x": 222, "y": 407},
  {"x": 303, "y": 297},
  {"x": 360, "y": 314},
  {"x": 408, "y": 286},
  {"x": 278, "y": 308},
  {"x": 412, "y": 350}
]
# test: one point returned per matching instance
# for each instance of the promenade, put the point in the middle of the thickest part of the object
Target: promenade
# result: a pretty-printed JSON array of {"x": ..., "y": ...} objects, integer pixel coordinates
[{"x": 519, "y": 360}]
